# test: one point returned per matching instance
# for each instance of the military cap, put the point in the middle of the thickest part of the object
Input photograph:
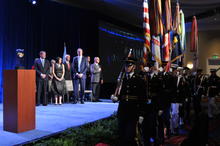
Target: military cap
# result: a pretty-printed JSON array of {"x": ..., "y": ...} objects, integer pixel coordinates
[
  {"x": 213, "y": 70},
  {"x": 179, "y": 68},
  {"x": 199, "y": 70},
  {"x": 19, "y": 50},
  {"x": 130, "y": 61},
  {"x": 186, "y": 68}
]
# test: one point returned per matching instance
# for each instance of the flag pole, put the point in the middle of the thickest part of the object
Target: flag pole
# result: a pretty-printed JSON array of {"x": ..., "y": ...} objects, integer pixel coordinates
[{"x": 64, "y": 53}]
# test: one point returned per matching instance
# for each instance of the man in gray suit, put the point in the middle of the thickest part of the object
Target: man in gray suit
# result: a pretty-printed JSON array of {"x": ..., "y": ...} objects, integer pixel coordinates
[
  {"x": 96, "y": 79},
  {"x": 79, "y": 68}
]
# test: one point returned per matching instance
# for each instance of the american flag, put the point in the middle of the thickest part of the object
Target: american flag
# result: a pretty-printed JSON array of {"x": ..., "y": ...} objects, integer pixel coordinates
[{"x": 146, "y": 26}]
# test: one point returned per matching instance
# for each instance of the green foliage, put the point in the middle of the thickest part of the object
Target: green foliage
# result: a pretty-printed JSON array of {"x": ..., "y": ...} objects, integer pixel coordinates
[{"x": 104, "y": 131}]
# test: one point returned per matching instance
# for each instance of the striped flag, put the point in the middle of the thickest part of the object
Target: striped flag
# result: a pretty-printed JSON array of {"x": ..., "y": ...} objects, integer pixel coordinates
[
  {"x": 146, "y": 26},
  {"x": 64, "y": 53}
]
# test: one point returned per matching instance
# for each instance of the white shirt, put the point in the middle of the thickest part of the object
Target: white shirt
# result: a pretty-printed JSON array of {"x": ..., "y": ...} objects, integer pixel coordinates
[
  {"x": 178, "y": 80},
  {"x": 79, "y": 62},
  {"x": 42, "y": 61},
  {"x": 129, "y": 75},
  {"x": 152, "y": 74}
]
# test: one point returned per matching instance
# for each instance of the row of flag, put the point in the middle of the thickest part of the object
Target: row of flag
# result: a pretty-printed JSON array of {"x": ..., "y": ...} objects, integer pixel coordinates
[{"x": 165, "y": 37}]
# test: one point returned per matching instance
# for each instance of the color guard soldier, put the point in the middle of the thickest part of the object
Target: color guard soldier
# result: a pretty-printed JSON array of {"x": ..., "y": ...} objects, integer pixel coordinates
[
  {"x": 147, "y": 124},
  {"x": 155, "y": 108},
  {"x": 131, "y": 97},
  {"x": 198, "y": 90},
  {"x": 213, "y": 91},
  {"x": 188, "y": 77},
  {"x": 167, "y": 93}
]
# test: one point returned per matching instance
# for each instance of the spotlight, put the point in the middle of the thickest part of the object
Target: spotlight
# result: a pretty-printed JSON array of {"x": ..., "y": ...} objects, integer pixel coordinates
[
  {"x": 190, "y": 65},
  {"x": 33, "y": 2}
]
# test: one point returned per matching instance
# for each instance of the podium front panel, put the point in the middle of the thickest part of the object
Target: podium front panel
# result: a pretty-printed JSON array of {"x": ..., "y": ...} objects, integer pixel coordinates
[{"x": 19, "y": 100}]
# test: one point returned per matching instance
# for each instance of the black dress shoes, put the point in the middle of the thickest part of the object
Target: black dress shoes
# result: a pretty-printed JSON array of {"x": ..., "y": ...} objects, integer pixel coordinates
[
  {"x": 96, "y": 100},
  {"x": 75, "y": 102},
  {"x": 82, "y": 101}
]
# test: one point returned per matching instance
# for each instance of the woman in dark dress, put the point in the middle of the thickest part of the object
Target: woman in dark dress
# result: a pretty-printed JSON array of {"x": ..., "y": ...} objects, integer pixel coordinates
[{"x": 58, "y": 83}]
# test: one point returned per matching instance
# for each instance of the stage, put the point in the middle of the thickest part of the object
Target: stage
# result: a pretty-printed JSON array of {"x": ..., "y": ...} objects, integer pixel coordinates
[{"x": 52, "y": 119}]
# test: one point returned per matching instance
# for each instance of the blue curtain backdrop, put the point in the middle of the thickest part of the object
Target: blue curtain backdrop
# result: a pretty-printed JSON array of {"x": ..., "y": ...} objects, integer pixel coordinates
[
  {"x": 1, "y": 44},
  {"x": 45, "y": 26}
]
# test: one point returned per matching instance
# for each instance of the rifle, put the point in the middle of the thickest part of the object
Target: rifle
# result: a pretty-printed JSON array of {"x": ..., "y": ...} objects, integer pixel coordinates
[{"x": 114, "y": 97}]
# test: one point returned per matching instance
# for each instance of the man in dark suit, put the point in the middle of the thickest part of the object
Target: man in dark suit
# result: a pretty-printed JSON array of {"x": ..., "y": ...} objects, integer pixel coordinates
[
  {"x": 88, "y": 75},
  {"x": 42, "y": 67},
  {"x": 67, "y": 67},
  {"x": 79, "y": 68},
  {"x": 96, "y": 78}
]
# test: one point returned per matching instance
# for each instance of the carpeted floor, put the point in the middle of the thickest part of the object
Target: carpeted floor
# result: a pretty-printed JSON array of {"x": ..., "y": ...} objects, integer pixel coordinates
[
  {"x": 55, "y": 118},
  {"x": 213, "y": 131}
]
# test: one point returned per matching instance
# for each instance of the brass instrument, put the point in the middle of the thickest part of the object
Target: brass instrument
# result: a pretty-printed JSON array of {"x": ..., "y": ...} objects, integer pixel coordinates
[{"x": 114, "y": 97}]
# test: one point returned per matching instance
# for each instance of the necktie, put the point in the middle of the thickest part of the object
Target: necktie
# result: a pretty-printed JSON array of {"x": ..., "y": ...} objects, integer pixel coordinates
[
  {"x": 43, "y": 62},
  {"x": 79, "y": 63},
  {"x": 68, "y": 65},
  {"x": 128, "y": 76}
]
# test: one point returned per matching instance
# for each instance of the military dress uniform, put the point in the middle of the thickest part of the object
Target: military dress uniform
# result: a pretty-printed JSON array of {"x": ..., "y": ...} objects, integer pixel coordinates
[
  {"x": 131, "y": 97},
  {"x": 187, "y": 102},
  {"x": 213, "y": 84},
  {"x": 199, "y": 82},
  {"x": 182, "y": 92},
  {"x": 168, "y": 88},
  {"x": 150, "y": 123}
]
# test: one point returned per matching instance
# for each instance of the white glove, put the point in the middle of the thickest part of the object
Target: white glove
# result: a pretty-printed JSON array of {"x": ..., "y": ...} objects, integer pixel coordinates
[
  {"x": 146, "y": 69},
  {"x": 141, "y": 119},
  {"x": 160, "y": 112},
  {"x": 149, "y": 101},
  {"x": 114, "y": 98}
]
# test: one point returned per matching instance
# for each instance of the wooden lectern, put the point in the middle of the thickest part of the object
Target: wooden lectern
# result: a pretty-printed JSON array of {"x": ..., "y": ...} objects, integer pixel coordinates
[{"x": 19, "y": 100}]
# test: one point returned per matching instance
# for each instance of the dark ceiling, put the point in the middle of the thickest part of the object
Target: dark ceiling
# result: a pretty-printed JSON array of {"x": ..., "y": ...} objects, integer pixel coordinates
[{"x": 130, "y": 11}]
